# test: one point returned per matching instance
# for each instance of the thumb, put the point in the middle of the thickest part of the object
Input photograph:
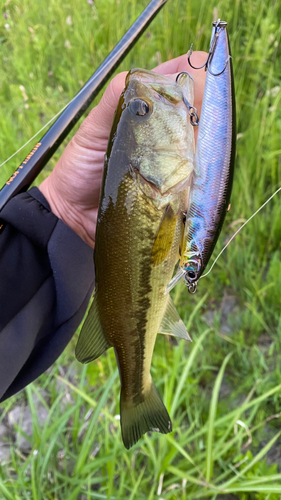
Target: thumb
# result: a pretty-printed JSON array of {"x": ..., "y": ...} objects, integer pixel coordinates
[{"x": 95, "y": 129}]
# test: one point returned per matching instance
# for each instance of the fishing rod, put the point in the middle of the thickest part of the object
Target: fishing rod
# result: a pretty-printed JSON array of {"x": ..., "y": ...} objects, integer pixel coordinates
[{"x": 35, "y": 161}]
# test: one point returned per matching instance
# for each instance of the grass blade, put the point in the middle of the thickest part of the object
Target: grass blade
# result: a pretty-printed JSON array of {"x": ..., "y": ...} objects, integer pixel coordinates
[
  {"x": 211, "y": 420},
  {"x": 186, "y": 370}
]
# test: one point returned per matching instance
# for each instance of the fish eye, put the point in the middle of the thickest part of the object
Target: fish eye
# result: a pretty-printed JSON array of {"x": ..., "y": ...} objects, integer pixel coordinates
[{"x": 139, "y": 107}]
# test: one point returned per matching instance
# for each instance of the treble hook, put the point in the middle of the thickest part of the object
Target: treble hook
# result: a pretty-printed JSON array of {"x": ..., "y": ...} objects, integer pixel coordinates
[
  {"x": 207, "y": 64},
  {"x": 189, "y": 61},
  {"x": 221, "y": 72},
  {"x": 184, "y": 73},
  {"x": 192, "y": 111}
]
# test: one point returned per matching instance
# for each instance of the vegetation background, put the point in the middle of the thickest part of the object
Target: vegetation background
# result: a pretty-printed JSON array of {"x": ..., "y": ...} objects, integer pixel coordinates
[{"x": 60, "y": 438}]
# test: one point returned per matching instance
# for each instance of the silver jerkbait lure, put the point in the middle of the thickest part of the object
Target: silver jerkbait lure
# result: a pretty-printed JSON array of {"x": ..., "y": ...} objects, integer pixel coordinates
[{"x": 214, "y": 163}]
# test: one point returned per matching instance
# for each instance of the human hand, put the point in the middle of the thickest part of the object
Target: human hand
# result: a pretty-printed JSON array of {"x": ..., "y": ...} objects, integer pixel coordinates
[{"x": 73, "y": 188}]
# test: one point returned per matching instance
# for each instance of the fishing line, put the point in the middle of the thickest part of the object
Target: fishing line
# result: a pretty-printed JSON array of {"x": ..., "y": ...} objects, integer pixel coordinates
[
  {"x": 229, "y": 241},
  {"x": 49, "y": 122},
  {"x": 100, "y": 70},
  {"x": 41, "y": 130},
  {"x": 56, "y": 116},
  {"x": 238, "y": 231}
]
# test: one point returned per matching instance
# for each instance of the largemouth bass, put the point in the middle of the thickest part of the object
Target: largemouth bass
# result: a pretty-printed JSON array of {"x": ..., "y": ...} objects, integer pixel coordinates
[{"x": 145, "y": 192}]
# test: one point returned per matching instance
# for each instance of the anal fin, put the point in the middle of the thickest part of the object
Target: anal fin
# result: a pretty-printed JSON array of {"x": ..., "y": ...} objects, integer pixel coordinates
[
  {"x": 172, "y": 324},
  {"x": 92, "y": 342}
]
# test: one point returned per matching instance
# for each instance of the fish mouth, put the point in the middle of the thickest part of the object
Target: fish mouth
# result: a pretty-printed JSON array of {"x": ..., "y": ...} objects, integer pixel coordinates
[
  {"x": 135, "y": 173},
  {"x": 181, "y": 185},
  {"x": 153, "y": 191},
  {"x": 172, "y": 178}
]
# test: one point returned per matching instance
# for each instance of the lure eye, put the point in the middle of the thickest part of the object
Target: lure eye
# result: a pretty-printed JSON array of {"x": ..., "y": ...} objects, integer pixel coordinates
[
  {"x": 139, "y": 107},
  {"x": 191, "y": 275},
  {"x": 192, "y": 270}
]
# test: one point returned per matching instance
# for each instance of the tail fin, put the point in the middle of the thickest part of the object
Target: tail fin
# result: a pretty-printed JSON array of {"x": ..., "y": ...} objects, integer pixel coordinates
[{"x": 149, "y": 415}]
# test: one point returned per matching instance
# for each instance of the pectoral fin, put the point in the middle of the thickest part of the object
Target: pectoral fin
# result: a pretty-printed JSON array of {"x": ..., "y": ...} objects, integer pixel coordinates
[
  {"x": 180, "y": 273},
  {"x": 172, "y": 323},
  {"x": 165, "y": 237},
  {"x": 174, "y": 281},
  {"x": 92, "y": 342}
]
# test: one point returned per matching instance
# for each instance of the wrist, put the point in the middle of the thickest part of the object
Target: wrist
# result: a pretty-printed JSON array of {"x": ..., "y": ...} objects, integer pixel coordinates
[{"x": 62, "y": 209}]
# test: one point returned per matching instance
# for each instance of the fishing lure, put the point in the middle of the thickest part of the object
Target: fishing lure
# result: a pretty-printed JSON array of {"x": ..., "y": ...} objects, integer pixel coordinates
[{"x": 214, "y": 162}]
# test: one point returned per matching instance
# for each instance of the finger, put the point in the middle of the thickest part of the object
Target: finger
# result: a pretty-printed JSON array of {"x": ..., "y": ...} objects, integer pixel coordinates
[
  {"x": 96, "y": 127},
  {"x": 110, "y": 98}
]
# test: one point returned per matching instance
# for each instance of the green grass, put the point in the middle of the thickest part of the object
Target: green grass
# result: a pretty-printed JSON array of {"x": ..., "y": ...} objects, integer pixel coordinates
[{"x": 223, "y": 391}]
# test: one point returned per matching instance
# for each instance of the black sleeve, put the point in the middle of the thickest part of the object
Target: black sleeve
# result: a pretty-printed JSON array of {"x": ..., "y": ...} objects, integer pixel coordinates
[{"x": 46, "y": 280}]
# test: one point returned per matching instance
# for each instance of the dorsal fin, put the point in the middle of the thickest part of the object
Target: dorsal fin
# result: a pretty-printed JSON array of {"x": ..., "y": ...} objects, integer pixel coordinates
[
  {"x": 92, "y": 342},
  {"x": 172, "y": 324}
]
